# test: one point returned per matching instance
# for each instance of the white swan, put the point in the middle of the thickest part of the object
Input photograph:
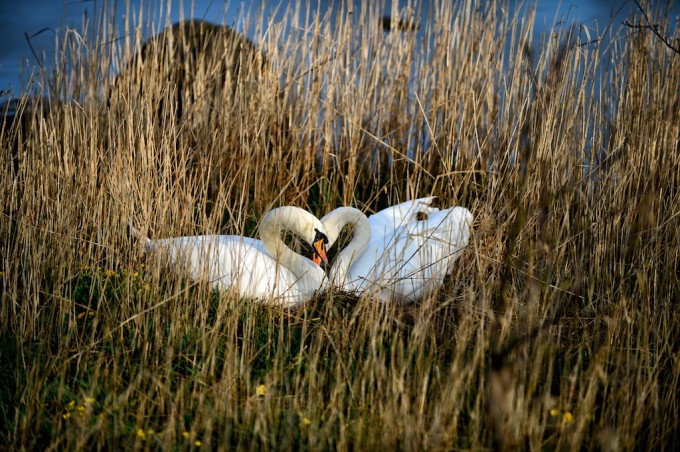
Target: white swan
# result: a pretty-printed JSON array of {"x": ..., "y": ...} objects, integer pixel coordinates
[
  {"x": 265, "y": 269},
  {"x": 394, "y": 254}
]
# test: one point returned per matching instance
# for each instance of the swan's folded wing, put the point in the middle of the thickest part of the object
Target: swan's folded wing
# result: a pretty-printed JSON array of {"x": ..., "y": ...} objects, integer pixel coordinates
[
  {"x": 444, "y": 235},
  {"x": 185, "y": 252},
  {"x": 245, "y": 267},
  {"x": 379, "y": 263},
  {"x": 448, "y": 227},
  {"x": 250, "y": 271},
  {"x": 224, "y": 261}
]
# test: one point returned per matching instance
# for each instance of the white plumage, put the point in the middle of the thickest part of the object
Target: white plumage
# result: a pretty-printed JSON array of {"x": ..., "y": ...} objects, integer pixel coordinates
[
  {"x": 394, "y": 254},
  {"x": 265, "y": 269}
]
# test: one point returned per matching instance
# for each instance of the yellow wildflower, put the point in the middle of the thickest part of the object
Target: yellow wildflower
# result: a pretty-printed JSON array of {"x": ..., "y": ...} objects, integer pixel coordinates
[
  {"x": 141, "y": 434},
  {"x": 554, "y": 412},
  {"x": 109, "y": 273},
  {"x": 185, "y": 435},
  {"x": 568, "y": 417},
  {"x": 86, "y": 267},
  {"x": 198, "y": 443},
  {"x": 135, "y": 274},
  {"x": 66, "y": 415},
  {"x": 306, "y": 421},
  {"x": 81, "y": 408},
  {"x": 89, "y": 400},
  {"x": 71, "y": 404},
  {"x": 81, "y": 315},
  {"x": 261, "y": 390}
]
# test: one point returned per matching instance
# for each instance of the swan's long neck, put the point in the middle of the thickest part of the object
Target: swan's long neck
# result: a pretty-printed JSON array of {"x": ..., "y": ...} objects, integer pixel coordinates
[
  {"x": 334, "y": 222},
  {"x": 300, "y": 222}
]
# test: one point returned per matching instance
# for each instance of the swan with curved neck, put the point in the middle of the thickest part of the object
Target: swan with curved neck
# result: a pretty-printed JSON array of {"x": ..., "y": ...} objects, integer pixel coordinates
[
  {"x": 334, "y": 222},
  {"x": 265, "y": 269},
  {"x": 394, "y": 254}
]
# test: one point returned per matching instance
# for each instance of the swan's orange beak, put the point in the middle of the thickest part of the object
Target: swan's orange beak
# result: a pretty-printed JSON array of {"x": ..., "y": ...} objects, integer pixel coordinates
[{"x": 319, "y": 254}]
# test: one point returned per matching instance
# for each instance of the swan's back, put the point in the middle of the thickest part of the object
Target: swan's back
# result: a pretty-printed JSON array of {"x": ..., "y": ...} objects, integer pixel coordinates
[{"x": 388, "y": 220}]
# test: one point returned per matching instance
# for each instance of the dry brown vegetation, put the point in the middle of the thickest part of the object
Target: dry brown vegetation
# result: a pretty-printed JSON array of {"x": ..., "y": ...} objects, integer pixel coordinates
[{"x": 558, "y": 328}]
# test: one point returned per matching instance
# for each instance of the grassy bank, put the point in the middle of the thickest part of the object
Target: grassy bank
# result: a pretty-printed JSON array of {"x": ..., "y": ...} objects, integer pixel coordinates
[{"x": 558, "y": 328}]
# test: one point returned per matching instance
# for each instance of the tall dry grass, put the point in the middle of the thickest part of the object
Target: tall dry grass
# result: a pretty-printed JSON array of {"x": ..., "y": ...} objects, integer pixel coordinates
[{"x": 557, "y": 329}]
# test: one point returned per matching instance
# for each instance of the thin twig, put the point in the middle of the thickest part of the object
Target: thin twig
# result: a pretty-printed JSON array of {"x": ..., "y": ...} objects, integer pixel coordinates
[
  {"x": 30, "y": 46},
  {"x": 653, "y": 27}
]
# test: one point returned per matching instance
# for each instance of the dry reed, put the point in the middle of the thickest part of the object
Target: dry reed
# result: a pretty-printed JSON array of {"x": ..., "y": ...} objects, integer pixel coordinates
[{"x": 558, "y": 328}]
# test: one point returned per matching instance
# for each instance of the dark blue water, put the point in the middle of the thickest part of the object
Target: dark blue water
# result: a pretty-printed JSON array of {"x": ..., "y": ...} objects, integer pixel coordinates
[{"x": 41, "y": 21}]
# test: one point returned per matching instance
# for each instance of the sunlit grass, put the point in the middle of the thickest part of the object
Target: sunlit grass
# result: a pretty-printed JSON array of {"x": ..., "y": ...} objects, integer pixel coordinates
[{"x": 557, "y": 329}]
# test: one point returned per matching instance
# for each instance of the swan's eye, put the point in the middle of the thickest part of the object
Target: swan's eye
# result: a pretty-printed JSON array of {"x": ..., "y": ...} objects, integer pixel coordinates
[
  {"x": 421, "y": 216},
  {"x": 320, "y": 236}
]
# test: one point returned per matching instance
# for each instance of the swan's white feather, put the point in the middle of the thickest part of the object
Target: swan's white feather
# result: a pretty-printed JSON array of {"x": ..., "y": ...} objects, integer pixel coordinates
[
  {"x": 405, "y": 258},
  {"x": 256, "y": 269},
  {"x": 389, "y": 219},
  {"x": 239, "y": 264}
]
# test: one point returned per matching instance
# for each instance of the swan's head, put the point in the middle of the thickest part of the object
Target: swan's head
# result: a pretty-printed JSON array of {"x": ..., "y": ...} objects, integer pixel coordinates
[
  {"x": 319, "y": 248},
  {"x": 313, "y": 232},
  {"x": 301, "y": 222}
]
